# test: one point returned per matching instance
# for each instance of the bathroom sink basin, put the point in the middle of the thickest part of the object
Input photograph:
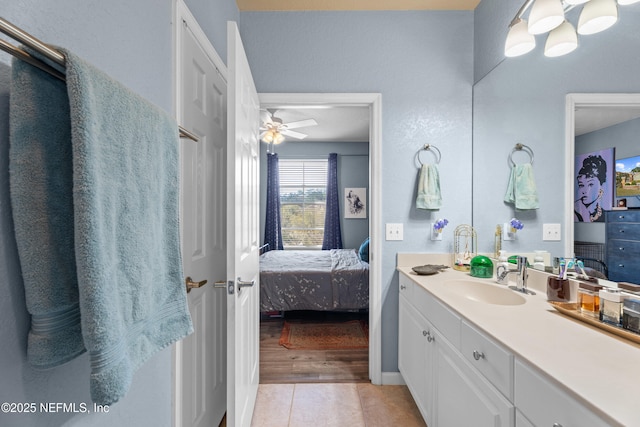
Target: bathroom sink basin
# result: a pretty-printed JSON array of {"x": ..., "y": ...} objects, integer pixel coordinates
[{"x": 485, "y": 292}]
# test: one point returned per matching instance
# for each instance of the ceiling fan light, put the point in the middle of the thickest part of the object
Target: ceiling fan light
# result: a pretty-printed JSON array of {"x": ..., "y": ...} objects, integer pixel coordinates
[
  {"x": 575, "y": 2},
  {"x": 545, "y": 15},
  {"x": 268, "y": 136},
  {"x": 561, "y": 40},
  {"x": 519, "y": 40},
  {"x": 278, "y": 138},
  {"x": 597, "y": 15},
  {"x": 627, "y": 2}
]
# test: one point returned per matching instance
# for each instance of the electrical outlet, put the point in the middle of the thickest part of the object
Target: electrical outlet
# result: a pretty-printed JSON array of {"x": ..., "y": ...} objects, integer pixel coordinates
[
  {"x": 551, "y": 232},
  {"x": 394, "y": 232}
]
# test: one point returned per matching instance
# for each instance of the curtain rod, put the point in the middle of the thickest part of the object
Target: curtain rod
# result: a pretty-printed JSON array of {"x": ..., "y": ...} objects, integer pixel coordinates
[{"x": 27, "y": 39}]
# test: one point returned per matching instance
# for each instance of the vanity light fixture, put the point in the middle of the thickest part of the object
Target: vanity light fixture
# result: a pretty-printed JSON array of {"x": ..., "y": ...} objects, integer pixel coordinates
[
  {"x": 562, "y": 40},
  {"x": 548, "y": 16},
  {"x": 597, "y": 15}
]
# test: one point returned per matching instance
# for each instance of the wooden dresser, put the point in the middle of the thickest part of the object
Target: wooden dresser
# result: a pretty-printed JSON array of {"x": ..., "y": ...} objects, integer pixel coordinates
[{"x": 623, "y": 245}]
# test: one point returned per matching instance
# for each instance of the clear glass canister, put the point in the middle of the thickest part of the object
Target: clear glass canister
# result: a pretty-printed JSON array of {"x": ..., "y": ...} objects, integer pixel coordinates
[
  {"x": 589, "y": 299},
  {"x": 611, "y": 302},
  {"x": 631, "y": 315}
]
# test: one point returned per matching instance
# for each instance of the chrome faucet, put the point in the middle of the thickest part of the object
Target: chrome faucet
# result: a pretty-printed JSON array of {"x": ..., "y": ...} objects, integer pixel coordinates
[{"x": 502, "y": 275}]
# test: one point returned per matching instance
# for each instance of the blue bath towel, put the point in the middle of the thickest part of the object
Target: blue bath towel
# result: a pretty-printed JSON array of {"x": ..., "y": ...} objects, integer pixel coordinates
[
  {"x": 429, "y": 196},
  {"x": 122, "y": 207},
  {"x": 521, "y": 188}
]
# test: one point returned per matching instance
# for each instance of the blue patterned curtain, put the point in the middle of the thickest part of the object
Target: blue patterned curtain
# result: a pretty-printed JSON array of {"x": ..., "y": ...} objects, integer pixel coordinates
[
  {"x": 332, "y": 235},
  {"x": 272, "y": 224}
]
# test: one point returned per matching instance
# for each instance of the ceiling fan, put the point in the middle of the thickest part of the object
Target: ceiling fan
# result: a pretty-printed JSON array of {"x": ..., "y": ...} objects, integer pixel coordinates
[{"x": 274, "y": 130}]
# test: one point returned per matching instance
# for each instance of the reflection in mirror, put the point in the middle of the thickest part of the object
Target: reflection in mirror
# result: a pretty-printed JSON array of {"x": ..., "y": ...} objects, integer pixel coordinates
[{"x": 594, "y": 124}]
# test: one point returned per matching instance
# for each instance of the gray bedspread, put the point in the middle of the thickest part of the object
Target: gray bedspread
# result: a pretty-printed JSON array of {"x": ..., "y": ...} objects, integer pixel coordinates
[{"x": 336, "y": 279}]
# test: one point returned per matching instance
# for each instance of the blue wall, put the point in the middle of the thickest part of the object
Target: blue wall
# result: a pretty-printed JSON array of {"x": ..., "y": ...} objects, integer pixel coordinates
[
  {"x": 132, "y": 41},
  {"x": 523, "y": 100},
  {"x": 422, "y": 64},
  {"x": 353, "y": 172}
]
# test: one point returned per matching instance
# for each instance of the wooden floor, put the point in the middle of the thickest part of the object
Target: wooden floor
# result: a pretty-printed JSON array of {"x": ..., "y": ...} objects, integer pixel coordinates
[{"x": 279, "y": 365}]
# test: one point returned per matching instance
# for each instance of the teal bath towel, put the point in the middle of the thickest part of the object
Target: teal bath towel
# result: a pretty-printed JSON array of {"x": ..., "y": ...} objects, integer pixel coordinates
[
  {"x": 108, "y": 205},
  {"x": 521, "y": 188},
  {"x": 429, "y": 196}
]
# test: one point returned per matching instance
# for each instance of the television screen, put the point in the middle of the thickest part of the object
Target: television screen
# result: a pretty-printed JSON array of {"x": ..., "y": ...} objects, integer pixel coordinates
[{"x": 628, "y": 177}]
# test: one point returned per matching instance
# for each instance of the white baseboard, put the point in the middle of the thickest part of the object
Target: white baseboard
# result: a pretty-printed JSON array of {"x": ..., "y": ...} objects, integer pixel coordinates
[{"x": 392, "y": 378}]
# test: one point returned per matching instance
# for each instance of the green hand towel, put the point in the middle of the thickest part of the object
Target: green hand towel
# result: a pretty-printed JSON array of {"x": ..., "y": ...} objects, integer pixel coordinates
[
  {"x": 429, "y": 196},
  {"x": 521, "y": 188}
]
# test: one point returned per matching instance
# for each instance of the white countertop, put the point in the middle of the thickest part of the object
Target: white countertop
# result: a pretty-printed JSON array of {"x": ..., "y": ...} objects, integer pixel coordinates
[{"x": 598, "y": 368}]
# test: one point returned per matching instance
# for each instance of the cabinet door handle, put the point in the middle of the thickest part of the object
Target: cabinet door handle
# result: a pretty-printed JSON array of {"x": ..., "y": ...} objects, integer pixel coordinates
[
  {"x": 428, "y": 335},
  {"x": 621, "y": 265},
  {"x": 621, "y": 248},
  {"x": 557, "y": 425},
  {"x": 403, "y": 287},
  {"x": 478, "y": 355}
]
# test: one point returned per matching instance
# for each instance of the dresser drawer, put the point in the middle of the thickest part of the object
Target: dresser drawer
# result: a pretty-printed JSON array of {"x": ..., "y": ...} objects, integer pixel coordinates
[
  {"x": 623, "y": 248},
  {"x": 623, "y": 230},
  {"x": 623, "y": 216},
  {"x": 623, "y": 269},
  {"x": 492, "y": 360}
]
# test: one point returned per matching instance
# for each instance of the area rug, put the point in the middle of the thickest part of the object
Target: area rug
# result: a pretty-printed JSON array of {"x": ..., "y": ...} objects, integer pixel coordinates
[{"x": 325, "y": 335}]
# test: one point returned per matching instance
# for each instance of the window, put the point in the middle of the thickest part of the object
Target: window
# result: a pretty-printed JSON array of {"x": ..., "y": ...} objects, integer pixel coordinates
[{"x": 303, "y": 200}]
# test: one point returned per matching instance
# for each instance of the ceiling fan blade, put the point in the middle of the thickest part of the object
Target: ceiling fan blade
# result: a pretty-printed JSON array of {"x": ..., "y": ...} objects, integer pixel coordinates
[
  {"x": 293, "y": 134},
  {"x": 300, "y": 124},
  {"x": 265, "y": 117}
]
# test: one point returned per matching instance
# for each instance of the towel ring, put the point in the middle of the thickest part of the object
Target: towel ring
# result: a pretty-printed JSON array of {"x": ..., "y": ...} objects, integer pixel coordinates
[
  {"x": 520, "y": 147},
  {"x": 429, "y": 147}
]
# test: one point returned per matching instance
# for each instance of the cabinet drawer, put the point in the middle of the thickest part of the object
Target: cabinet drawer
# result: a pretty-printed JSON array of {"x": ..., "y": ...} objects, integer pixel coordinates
[
  {"x": 623, "y": 248},
  {"x": 444, "y": 320},
  {"x": 624, "y": 216},
  {"x": 544, "y": 404},
  {"x": 490, "y": 359},
  {"x": 405, "y": 287},
  {"x": 623, "y": 230}
]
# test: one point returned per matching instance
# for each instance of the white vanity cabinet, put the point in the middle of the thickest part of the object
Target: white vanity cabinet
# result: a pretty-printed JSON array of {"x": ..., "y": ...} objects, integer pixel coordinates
[
  {"x": 415, "y": 361},
  {"x": 447, "y": 388},
  {"x": 541, "y": 403}
]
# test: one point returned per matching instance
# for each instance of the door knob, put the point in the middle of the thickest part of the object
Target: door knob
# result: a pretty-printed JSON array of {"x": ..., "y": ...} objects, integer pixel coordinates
[
  {"x": 191, "y": 284},
  {"x": 242, "y": 284}
]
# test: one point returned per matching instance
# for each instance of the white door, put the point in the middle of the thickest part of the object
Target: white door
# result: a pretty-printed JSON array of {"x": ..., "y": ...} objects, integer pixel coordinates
[
  {"x": 243, "y": 325},
  {"x": 201, "y": 357}
]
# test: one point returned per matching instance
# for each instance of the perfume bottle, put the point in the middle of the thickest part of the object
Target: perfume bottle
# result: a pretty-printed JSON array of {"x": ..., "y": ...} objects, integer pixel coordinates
[
  {"x": 589, "y": 299},
  {"x": 611, "y": 303}
]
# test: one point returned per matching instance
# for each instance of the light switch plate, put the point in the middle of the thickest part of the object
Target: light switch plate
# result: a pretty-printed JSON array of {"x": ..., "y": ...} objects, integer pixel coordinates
[
  {"x": 551, "y": 232},
  {"x": 394, "y": 232}
]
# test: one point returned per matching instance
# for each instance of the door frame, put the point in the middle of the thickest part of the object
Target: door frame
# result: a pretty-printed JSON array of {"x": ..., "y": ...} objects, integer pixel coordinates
[
  {"x": 374, "y": 102},
  {"x": 182, "y": 13}
]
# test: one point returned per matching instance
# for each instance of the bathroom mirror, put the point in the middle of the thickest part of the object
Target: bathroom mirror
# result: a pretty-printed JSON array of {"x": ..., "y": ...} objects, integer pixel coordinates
[{"x": 596, "y": 121}]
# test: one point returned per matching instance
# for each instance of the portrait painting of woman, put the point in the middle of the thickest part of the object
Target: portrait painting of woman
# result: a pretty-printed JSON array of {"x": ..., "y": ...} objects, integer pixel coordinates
[{"x": 593, "y": 186}]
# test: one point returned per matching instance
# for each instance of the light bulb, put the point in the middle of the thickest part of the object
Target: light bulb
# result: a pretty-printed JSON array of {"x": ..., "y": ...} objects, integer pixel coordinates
[
  {"x": 597, "y": 15},
  {"x": 268, "y": 136},
  {"x": 519, "y": 40},
  {"x": 278, "y": 138},
  {"x": 545, "y": 15},
  {"x": 561, "y": 40}
]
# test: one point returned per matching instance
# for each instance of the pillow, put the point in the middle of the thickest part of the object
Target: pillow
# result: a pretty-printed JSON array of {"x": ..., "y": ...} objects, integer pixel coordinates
[{"x": 363, "y": 252}]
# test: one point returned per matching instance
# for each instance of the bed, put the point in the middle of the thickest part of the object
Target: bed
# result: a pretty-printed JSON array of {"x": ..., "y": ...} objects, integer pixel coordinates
[{"x": 329, "y": 280}]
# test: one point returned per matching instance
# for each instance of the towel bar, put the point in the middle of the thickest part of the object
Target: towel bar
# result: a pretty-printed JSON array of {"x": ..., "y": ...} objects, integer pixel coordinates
[
  {"x": 429, "y": 147},
  {"x": 22, "y": 36},
  {"x": 520, "y": 147}
]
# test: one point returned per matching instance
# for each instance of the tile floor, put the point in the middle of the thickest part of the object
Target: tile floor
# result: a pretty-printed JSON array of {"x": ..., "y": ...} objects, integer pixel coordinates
[{"x": 335, "y": 405}]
